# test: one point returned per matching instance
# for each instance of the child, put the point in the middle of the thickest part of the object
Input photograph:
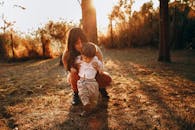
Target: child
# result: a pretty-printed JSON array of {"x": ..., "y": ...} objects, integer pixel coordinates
[{"x": 88, "y": 66}]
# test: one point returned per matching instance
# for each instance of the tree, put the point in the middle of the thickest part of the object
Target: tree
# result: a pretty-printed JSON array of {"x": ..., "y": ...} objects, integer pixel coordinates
[
  {"x": 120, "y": 15},
  {"x": 164, "y": 48},
  {"x": 89, "y": 20},
  {"x": 122, "y": 11},
  {"x": 179, "y": 12}
]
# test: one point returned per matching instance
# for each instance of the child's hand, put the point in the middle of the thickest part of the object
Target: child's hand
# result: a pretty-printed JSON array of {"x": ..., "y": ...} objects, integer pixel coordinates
[
  {"x": 95, "y": 65},
  {"x": 72, "y": 70}
]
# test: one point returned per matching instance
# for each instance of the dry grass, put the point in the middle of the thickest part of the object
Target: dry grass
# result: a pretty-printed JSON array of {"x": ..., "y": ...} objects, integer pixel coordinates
[
  {"x": 13, "y": 46},
  {"x": 145, "y": 94}
]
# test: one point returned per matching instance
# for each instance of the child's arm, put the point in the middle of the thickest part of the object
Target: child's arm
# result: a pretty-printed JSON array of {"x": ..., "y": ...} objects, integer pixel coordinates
[{"x": 97, "y": 64}]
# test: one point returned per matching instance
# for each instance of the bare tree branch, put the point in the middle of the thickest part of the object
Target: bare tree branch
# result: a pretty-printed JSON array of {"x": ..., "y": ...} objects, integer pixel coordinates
[
  {"x": 1, "y": 3},
  {"x": 19, "y": 6},
  {"x": 79, "y": 2}
]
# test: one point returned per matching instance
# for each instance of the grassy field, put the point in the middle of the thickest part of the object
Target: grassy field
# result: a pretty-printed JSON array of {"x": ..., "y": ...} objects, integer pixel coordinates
[{"x": 145, "y": 94}]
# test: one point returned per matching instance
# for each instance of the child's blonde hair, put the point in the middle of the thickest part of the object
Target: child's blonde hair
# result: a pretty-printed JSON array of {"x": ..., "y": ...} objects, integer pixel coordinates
[{"x": 88, "y": 50}]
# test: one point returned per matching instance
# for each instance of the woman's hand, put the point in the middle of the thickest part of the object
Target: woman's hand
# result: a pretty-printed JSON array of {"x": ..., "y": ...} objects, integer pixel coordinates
[{"x": 97, "y": 67}]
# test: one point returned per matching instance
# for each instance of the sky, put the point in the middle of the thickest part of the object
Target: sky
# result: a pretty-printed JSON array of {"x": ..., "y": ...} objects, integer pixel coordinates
[{"x": 39, "y": 12}]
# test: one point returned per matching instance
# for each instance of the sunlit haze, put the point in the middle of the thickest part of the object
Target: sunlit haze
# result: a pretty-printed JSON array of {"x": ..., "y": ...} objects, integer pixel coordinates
[{"x": 39, "y": 12}]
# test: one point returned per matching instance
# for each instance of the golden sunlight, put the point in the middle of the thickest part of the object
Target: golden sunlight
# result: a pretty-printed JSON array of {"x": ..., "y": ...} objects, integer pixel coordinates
[{"x": 103, "y": 8}]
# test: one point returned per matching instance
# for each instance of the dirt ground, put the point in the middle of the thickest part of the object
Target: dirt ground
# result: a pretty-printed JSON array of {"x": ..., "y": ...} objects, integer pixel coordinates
[{"x": 145, "y": 94}]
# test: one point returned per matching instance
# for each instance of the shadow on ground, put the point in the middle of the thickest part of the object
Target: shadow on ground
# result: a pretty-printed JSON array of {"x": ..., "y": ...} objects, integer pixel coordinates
[
  {"x": 145, "y": 94},
  {"x": 98, "y": 120}
]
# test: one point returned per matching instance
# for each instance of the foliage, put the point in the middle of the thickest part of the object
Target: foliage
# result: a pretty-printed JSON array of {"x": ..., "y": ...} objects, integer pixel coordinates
[
  {"x": 121, "y": 11},
  {"x": 53, "y": 37},
  {"x": 57, "y": 30},
  {"x": 135, "y": 29},
  {"x": 13, "y": 46},
  {"x": 182, "y": 20},
  {"x": 47, "y": 42},
  {"x": 7, "y": 25}
]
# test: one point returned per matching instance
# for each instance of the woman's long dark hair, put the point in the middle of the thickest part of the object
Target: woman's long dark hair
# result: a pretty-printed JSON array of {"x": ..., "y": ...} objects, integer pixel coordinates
[{"x": 72, "y": 53}]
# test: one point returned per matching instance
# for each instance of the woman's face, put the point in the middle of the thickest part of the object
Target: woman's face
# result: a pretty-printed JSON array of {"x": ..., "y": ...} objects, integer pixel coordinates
[{"x": 78, "y": 45}]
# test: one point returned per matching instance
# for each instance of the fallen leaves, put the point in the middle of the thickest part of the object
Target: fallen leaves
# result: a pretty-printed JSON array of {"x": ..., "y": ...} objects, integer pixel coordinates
[{"x": 144, "y": 94}]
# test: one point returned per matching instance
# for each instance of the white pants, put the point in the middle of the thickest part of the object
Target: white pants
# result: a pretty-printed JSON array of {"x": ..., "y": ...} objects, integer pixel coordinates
[{"x": 88, "y": 91}]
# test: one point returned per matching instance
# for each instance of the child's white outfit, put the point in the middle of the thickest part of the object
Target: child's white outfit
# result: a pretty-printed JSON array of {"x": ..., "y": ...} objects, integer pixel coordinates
[{"x": 87, "y": 85}]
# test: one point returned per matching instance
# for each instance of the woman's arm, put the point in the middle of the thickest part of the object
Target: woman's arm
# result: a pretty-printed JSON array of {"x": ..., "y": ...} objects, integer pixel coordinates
[
  {"x": 64, "y": 58},
  {"x": 64, "y": 61}
]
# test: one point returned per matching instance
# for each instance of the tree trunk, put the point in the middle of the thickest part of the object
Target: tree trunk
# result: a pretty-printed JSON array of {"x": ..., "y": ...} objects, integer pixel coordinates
[
  {"x": 89, "y": 20},
  {"x": 164, "y": 49},
  {"x": 12, "y": 46},
  {"x": 111, "y": 32}
]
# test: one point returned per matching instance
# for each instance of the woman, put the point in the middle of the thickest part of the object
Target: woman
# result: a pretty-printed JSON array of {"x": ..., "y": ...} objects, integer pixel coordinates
[{"x": 75, "y": 40}]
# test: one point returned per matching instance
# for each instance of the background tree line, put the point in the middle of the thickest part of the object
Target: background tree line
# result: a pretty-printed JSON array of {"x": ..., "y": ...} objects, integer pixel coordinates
[
  {"x": 141, "y": 28},
  {"x": 126, "y": 29},
  {"x": 48, "y": 41}
]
